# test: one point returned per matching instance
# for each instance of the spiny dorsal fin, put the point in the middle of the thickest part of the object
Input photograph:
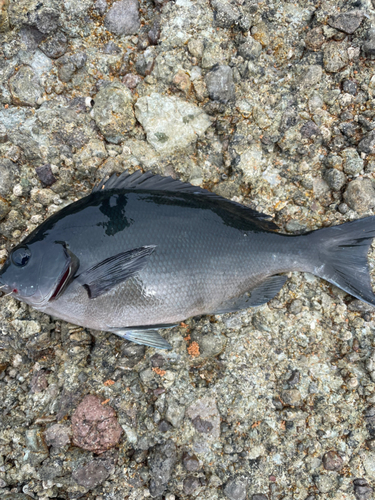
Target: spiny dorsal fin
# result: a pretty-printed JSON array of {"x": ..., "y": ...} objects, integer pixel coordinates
[{"x": 153, "y": 182}]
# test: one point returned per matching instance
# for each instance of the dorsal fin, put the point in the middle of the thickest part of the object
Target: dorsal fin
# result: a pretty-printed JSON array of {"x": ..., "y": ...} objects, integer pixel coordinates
[{"x": 153, "y": 182}]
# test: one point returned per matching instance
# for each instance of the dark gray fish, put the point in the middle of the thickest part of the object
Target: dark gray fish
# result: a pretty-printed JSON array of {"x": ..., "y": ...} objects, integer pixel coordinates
[{"x": 144, "y": 252}]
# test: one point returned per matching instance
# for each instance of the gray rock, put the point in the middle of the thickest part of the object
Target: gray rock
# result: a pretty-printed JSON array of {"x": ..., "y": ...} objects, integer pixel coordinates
[
  {"x": 347, "y": 22},
  {"x": 175, "y": 413},
  {"x": 235, "y": 489},
  {"x": 291, "y": 397},
  {"x": 58, "y": 435},
  {"x": 170, "y": 123},
  {"x": 259, "y": 496},
  {"x": 325, "y": 483},
  {"x": 145, "y": 63},
  {"x": 190, "y": 462},
  {"x": 161, "y": 463},
  {"x": 123, "y": 18},
  {"x": 47, "y": 20},
  {"x": 100, "y": 6},
  {"x": 335, "y": 179},
  {"x": 25, "y": 87},
  {"x": 309, "y": 129},
  {"x": 315, "y": 38},
  {"x": 220, "y": 84},
  {"x": 8, "y": 172},
  {"x": 332, "y": 461},
  {"x": 91, "y": 475},
  {"x": 55, "y": 45},
  {"x": 312, "y": 76},
  {"x": 360, "y": 195},
  {"x": 196, "y": 47},
  {"x": 353, "y": 163},
  {"x": 113, "y": 112},
  {"x": 367, "y": 144},
  {"x": 250, "y": 50},
  {"x": 191, "y": 483},
  {"x": 226, "y": 13},
  {"x": 369, "y": 44},
  {"x": 131, "y": 80},
  {"x": 335, "y": 56},
  {"x": 3, "y": 134},
  {"x": 45, "y": 175},
  {"x": 362, "y": 490},
  {"x": 131, "y": 354},
  {"x": 350, "y": 87}
]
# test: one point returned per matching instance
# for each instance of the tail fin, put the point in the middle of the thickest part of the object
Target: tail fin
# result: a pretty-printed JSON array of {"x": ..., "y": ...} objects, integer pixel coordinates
[{"x": 343, "y": 256}]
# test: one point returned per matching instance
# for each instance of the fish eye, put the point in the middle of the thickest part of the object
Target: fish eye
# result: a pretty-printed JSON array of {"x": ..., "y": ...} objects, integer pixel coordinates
[{"x": 21, "y": 256}]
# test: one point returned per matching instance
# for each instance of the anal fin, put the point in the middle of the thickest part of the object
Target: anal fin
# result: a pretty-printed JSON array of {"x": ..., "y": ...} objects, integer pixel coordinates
[{"x": 259, "y": 295}]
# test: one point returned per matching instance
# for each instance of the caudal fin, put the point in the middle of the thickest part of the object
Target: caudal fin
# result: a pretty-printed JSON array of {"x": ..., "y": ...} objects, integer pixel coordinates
[{"x": 343, "y": 256}]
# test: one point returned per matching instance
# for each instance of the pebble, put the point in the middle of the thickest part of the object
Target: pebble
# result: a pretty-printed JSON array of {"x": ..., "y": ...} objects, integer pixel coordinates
[
  {"x": 91, "y": 475},
  {"x": 360, "y": 195},
  {"x": 113, "y": 112},
  {"x": 100, "y": 6},
  {"x": 315, "y": 38},
  {"x": 55, "y": 45},
  {"x": 58, "y": 435},
  {"x": 220, "y": 85},
  {"x": 45, "y": 175},
  {"x": 123, "y": 18},
  {"x": 353, "y": 163},
  {"x": 367, "y": 144},
  {"x": 191, "y": 484},
  {"x": 347, "y": 21},
  {"x": 291, "y": 397},
  {"x": 259, "y": 496},
  {"x": 161, "y": 462},
  {"x": 190, "y": 462},
  {"x": 362, "y": 490},
  {"x": 332, "y": 461},
  {"x": 310, "y": 129},
  {"x": 335, "y": 179},
  {"x": 131, "y": 80},
  {"x": 350, "y": 87},
  {"x": 369, "y": 44},
  {"x": 8, "y": 172},
  {"x": 25, "y": 87},
  {"x": 226, "y": 13},
  {"x": 236, "y": 488},
  {"x": 250, "y": 50},
  {"x": 95, "y": 426},
  {"x": 335, "y": 57}
]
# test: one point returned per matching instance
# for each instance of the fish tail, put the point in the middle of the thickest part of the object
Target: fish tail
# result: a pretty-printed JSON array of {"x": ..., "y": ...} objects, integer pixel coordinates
[{"x": 343, "y": 256}]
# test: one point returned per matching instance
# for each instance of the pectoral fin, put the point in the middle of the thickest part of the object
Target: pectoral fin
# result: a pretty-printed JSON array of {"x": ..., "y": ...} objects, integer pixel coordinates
[
  {"x": 110, "y": 272},
  {"x": 259, "y": 295}
]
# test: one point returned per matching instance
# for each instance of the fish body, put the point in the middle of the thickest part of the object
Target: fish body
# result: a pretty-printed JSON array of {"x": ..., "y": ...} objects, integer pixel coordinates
[{"x": 143, "y": 252}]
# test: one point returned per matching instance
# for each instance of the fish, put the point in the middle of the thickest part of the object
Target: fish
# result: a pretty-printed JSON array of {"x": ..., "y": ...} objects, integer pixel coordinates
[{"x": 143, "y": 252}]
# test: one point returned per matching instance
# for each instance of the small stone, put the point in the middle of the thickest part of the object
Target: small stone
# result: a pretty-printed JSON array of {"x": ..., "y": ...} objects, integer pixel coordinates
[
  {"x": 220, "y": 84},
  {"x": 123, "y": 18},
  {"x": 45, "y": 175},
  {"x": 350, "y": 87},
  {"x": 259, "y": 496},
  {"x": 161, "y": 463},
  {"x": 347, "y": 22},
  {"x": 190, "y": 484},
  {"x": 202, "y": 426},
  {"x": 54, "y": 46},
  {"x": 190, "y": 462},
  {"x": 175, "y": 413},
  {"x": 196, "y": 47},
  {"x": 182, "y": 81},
  {"x": 235, "y": 489},
  {"x": 100, "y": 6},
  {"x": 164, "y": 426},
  {"x": 315, "y": 39},
  {"x": 332, "y": 461},
  {"x": 250, "y": 50},
  {"x": 360, "y": 195},
  {"x": 335, "y": 57},
  {"x": 310, "y": 129},
  {"x": 325, "y": 483},
  {"x": 369, "y": 44},
  {"x": 170, "y": 123},
  {"x": 38, "y": 382},
  {"x": 111, "y": 48},
  {"x": 95, "y": 426},
  {"x": 58, "y": 435},
  {"x": 226, "y": 13},
  {"x": 3, "y": 134},
  {"x": 312, "y": 76},
  {"x": 154, "y": 34},
  {"x": 113, "y": 112},
  {"x": 291, "y": 397},
  {"x": 367, "y": 144},
  {"x": 91, "y": 475},
  {"x": 343, "y": 208},
  {"x": 353, "y": 164},
  {"x": 295, "y": 377},
  {"x": 362, "y": 490},
  {"x": 25, "y": 87},
  {"x": 157, "y": 360},
  {"x": 335, "y": 179},
  {"x": 131, "y": 80}
]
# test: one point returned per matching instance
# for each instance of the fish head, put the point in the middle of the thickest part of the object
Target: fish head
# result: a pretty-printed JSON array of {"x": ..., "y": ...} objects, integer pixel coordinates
[{"x": 38, "y": 272}]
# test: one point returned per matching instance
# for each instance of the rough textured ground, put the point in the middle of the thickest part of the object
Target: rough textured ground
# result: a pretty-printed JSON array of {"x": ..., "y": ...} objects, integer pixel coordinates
[{"x": 269, "y": 103}]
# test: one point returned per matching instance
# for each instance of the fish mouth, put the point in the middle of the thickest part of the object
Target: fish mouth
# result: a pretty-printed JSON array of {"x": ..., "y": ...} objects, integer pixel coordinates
[{"x": 66, "y": 277}]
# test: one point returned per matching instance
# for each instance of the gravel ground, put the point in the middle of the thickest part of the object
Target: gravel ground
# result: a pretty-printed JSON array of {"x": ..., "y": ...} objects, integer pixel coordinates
[{"x": 269, "y": 103}]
